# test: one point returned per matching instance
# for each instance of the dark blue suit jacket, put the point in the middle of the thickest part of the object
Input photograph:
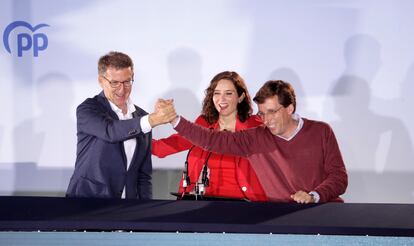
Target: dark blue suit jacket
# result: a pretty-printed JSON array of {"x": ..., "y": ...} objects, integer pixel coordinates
[{"x": 100, "y": 169}]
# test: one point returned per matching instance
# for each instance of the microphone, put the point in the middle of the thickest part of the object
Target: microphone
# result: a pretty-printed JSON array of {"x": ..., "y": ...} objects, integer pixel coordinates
[
  {"x": 204, "y": 177},
  {"x": 205, "y": 181},
  {"x": 186, "y": 177}
]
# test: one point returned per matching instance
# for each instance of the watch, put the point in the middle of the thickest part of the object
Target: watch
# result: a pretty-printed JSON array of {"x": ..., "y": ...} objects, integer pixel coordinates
[{"x": 315, "y": 196}]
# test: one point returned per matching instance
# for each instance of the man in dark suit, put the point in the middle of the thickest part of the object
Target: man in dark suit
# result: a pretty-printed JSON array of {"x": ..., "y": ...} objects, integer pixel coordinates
[{"x": 114, "y": 137}]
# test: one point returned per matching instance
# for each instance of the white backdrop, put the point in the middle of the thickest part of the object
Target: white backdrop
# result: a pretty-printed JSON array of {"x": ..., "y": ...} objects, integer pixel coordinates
[{"x": 351, "y": 62}]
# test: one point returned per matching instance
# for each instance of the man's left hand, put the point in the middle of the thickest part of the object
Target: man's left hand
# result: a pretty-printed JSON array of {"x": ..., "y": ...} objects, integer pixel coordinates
[{"x": 302, "y": 197}]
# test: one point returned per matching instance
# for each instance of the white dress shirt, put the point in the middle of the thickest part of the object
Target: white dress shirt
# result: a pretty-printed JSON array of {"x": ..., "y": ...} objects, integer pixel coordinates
[{"x": 130, "y": 144}]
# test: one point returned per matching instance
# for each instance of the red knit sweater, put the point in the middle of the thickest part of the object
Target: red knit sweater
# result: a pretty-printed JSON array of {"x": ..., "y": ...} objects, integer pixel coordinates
[
  {"x": 230, "y": 176},
  {"x": 311, "y": 160}
]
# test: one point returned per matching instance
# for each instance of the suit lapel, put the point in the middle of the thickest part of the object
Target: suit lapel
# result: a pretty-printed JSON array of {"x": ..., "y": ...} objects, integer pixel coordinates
[
  {"x": 136, "y": 114},
  {"x": 105, "y": 104}
]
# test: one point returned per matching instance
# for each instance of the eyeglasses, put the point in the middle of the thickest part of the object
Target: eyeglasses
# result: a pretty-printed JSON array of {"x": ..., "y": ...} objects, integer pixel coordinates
[
  {"x": 271, "y": 112},
  {"x": 117, "y": 84}
]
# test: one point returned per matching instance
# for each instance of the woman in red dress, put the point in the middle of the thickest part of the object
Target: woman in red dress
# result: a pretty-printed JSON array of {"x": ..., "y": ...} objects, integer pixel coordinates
[{"x": 226, "y": 107}]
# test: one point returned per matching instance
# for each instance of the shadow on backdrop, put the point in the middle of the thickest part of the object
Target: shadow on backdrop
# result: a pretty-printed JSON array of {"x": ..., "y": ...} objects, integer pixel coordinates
[
  {"x": 403, "y": 104},
  {"x": 46, "y": 142},
  {"x": 38, "y": 137},
  {"x": 184, "y": 70},
  {"x": 1, "y": 137},
  {"x": 377, "y": 149},
  {"x": 289, "y": 75}
]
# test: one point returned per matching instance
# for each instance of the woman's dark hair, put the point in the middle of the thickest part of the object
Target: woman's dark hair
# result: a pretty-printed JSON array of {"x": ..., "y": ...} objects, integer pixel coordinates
[{"x": 244, "y": 108}]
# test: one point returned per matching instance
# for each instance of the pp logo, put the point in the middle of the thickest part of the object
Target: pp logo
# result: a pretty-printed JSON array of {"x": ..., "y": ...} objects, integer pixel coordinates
[{"x": 25, "y": 40}]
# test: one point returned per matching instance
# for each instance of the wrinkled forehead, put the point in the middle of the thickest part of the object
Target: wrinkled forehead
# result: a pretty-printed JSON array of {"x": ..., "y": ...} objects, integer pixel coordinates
[{"x": 121, "y": 73}]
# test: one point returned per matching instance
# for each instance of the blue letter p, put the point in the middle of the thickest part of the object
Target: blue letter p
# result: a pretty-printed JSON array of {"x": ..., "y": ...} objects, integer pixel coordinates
[
  {"x": 36, "y": 46},
  {"x": 22, "y": 47}
]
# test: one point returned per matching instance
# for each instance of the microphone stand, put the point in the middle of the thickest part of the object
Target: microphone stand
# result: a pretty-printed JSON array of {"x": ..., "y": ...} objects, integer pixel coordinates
[
  {"x": 199, "y": 188},
  {"x": 205, "y": 181},
  {"x": 186, "y": 177}
]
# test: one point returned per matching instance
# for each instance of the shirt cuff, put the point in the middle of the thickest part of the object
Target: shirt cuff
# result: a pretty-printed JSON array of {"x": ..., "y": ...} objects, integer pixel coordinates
[
  {"x": 176, "y": 123},
  {"x": 145, "y": 125},
  {"x": 315, "y": 195}
]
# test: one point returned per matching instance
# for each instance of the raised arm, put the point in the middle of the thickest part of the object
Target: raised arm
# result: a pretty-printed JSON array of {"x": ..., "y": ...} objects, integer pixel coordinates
[
  {"x": 235, "y": 143},
  {"x": 170, "y": 145},
  {"x": 93, "y": 119},
  {"x": 174, "y": 143}
]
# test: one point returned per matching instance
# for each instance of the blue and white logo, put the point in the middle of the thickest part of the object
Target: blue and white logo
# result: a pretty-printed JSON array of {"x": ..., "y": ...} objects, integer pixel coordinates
[{"x": 25, "y": 40}]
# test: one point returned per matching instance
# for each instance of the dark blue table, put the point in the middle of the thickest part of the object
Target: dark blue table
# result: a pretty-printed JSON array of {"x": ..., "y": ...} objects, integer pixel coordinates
[{"x": 68, "y": 214}]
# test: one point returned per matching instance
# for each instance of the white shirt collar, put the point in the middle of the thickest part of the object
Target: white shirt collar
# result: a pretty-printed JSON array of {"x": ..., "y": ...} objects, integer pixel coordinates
[
  {"x": 118, "y": 111},
  {"x": 295, "y": 117}
]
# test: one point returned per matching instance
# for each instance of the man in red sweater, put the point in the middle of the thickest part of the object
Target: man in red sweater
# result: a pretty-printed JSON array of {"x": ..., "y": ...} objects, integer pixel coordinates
[{"x": 295, "y": 159}]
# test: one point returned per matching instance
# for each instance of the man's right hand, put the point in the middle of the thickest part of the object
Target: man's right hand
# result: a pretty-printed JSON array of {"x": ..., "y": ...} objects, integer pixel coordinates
[{"x": 164, "y": 112}]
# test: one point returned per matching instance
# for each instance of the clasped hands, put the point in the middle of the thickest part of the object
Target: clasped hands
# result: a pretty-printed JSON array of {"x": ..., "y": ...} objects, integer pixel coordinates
[{"x": 164, "y": 112}]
